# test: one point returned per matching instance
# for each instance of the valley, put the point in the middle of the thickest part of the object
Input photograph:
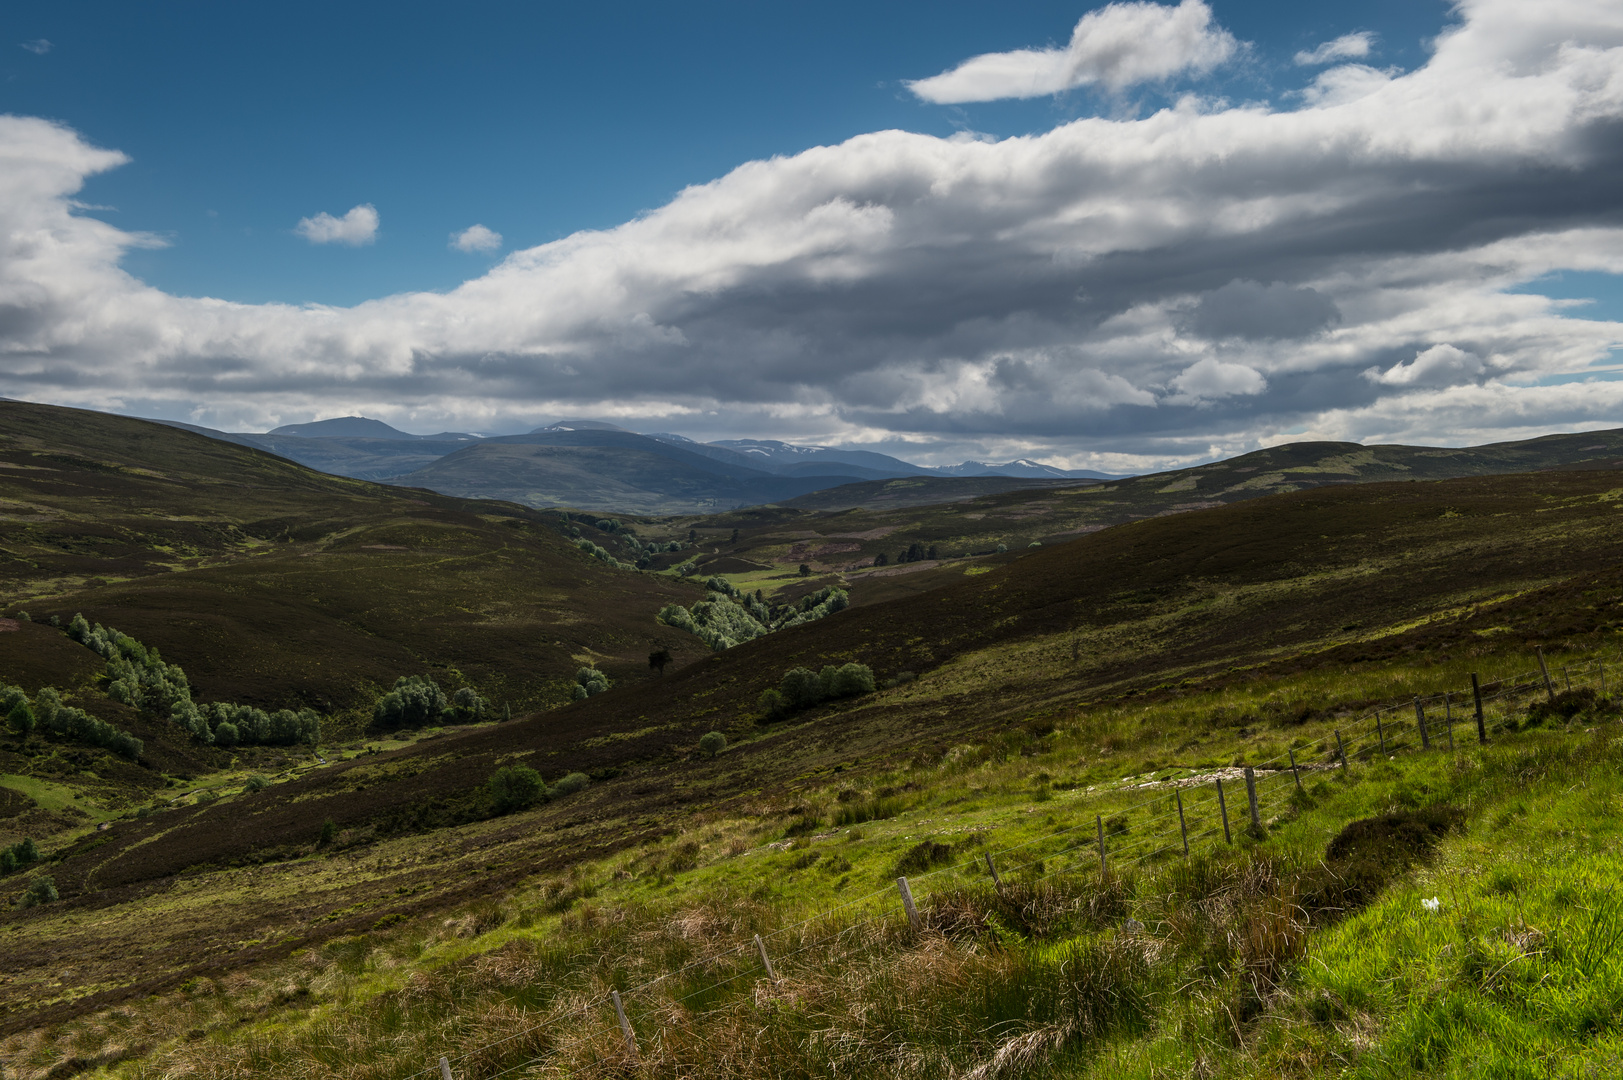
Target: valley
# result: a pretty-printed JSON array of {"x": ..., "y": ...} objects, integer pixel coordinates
[{"x": 371, "y": 893}]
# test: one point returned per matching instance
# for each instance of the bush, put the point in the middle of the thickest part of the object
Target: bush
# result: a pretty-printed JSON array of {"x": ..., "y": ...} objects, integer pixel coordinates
[
  {"x": 329, "y": 832},
  {"x": 42, "y": 890},
  {"x": 226, "y": 734},
  {"x": 515, "y": 787},
  {"x": 570, "y": 784},
  {"x": 255, "y": 783},
  {"x": 589, "y": 681},
  {"x": 713, "y": 743}
]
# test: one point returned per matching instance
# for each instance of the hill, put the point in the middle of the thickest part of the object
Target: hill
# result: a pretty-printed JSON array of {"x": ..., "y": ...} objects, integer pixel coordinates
[
  {"x": 1296, "y": 586},
  {"x": 274, "y": 585},
  {"x": 876, "y": 538}
]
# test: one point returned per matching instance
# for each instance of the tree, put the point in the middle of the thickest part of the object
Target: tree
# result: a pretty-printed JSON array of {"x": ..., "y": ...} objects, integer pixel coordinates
[
  {"x": 469, "y": 706},
  {"x": 256, "y": 782},
  {"x": 713, "y": 743},
  {"x": 881, "y": 559},
  {"x": 735, "y": 537},
  {"x": 329, "y": 832},
  {"x": 693, "y": 536},
  {"x": 21, "y": 718},
  {"x": 658, "y": 659},
  {"x": 42, "y": 890},
  {"x": 805, "y": 571},
  {"x": 515, "y": 787}
]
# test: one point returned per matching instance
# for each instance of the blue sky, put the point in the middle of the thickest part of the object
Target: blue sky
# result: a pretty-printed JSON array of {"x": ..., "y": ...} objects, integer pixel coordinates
[
  {"x": 1114, "y": 236},
  {"x": 535, "y": 120}
]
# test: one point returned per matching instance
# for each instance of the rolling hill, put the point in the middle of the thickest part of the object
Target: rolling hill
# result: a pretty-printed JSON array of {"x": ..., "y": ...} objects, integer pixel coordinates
[{"x": 1334, "y": 577}]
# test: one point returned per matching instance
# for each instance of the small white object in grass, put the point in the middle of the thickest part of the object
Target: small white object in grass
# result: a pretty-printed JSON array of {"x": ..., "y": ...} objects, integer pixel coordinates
[{"x": 1431, "y": 905}]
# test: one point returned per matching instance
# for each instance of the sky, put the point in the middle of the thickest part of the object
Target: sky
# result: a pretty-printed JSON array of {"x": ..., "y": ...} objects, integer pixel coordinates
[{"x": 1120, "y": 236}]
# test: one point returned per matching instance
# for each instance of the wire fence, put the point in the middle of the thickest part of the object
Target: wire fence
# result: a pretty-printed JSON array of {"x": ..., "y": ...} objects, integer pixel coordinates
[{"x": 1449, "y": 721}]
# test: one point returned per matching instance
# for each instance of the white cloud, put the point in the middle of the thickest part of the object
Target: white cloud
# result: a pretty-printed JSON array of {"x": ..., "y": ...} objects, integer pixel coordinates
[
  {"x": 1144, "y": 288},
  {"x": 39, "y": 46},
  {"x": 1344, "y": 84},
  {"x": 1117, "y": 46},
  {"x": 359, "y": 226},
  {"x": 1208, "y": 379},
  {"x": 476, "y": 238},
  {"x": 1443, "y": 364},
  {"x": 1354, "y": 46}
]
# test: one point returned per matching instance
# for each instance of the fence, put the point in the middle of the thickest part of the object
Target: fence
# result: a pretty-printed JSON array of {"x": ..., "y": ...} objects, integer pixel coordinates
[{"x": 1419, "y": 724}]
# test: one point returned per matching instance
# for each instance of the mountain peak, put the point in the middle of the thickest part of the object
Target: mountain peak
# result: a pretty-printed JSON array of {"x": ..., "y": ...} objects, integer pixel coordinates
[{"x": 343, "y": 427}]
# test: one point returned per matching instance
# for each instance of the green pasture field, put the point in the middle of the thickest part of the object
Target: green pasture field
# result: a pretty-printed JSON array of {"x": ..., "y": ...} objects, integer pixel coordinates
[{"x": 1211, "y": 963}]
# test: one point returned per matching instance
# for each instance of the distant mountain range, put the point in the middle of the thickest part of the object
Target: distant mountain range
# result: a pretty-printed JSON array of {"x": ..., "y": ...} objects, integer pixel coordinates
[{"x": 592, "y": 465}]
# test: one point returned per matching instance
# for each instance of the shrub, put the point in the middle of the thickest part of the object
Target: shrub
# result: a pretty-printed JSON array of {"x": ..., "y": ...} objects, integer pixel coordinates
[
  {"x": 255, "y": 783},
  {"x": 8, "y": 862},
  {"x": 329, "y": 832},
  {"x": 570, "y": 784},
  {"x": 713, "y": 743},
  {"x": 226, "y": 734},
  {"x": 42, "y": 890},
  {"x": 589, "y": 681},
  {"x": 515, "y": 787}
]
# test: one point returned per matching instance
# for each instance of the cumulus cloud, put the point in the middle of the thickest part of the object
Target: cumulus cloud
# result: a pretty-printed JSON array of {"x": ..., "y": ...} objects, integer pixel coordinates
[
  {"x": 359, "y": 226},
  {"x": 476, "y": 238},
  {"x": 1353, "y": 46},
  {"x": 1133, "y": 290},
  {"x": 1117, "y": 46},
  {"x": 1440, "y": 364},
  {"x": 1208, "y": 379},
  {"x": 39, "y": 46}
]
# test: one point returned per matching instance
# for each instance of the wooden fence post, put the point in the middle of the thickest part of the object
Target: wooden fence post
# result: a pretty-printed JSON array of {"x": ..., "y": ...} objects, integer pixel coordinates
[
  {"x": 907, "y": 904},
  {"x": 1223, "y": 808},
  {"x": 1341, "y": 752},
  {"x": 445, "y": 1069},
  {"x": 625, "y": 1025},
  {"x": 1183, "y": 826},
  {"x": 1251, "y": 796},
  {"x": 1549, "y": 687},
  {"x": 1420, "y": 718},
  {"x": 1099, "y": 822},
  {"x": 766, "y": 961},
  {"x": 1602, "y": 680},
  {"x": 1481, "y": 725},
  {"x": 1295, "y": 775},
  {"x": 1380, "y": 732},
  {"x": 997, "y": 882},
  {"x": 1448, "y": 716}
]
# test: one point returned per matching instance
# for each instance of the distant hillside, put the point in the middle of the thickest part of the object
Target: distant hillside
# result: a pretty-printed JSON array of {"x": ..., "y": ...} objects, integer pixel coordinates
[{"x": 276, "y": 585}]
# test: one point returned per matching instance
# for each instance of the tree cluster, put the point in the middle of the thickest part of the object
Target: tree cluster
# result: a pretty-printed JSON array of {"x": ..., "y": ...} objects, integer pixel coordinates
[
  {"x": 728, "y": 617},
  {"x": 417, "y": 701},
  {"x": 138, "y": 677},
  {"x": 23, "y": 853},
  {"x": 801, "y": 688},
  {"x": 47, "y": 713},
  {"x": 244, "y": 725}
]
